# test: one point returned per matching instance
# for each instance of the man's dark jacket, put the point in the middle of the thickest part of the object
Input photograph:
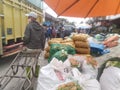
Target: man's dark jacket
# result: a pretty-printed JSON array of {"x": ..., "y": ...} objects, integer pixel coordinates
[{"x": 34, "y": 37}]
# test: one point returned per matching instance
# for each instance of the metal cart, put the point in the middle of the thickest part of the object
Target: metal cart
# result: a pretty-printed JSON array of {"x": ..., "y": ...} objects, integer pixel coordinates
[{"x": 21, "y": 71}]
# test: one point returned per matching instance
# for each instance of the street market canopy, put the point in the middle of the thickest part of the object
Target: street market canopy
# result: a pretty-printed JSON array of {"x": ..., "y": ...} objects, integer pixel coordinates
[
  {"x": 84, "y": 8},
  {"x": 84, "y": 26}
]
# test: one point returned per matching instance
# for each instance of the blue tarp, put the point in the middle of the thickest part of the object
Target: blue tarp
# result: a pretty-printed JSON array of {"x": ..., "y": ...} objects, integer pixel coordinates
[{"x": 98, "y": 48}]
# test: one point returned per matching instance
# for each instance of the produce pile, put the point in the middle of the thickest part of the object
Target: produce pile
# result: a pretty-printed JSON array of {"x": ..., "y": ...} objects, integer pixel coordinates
[
  {"x": 47, "y": 52},
  {"x": 77, "y": 72},
  {"x": 71, "y": 67},
  {"x": 60, "y": 51},
  {"x": 77, "y": 41},
  {"x": 81, "y": 43},
  {"x": 59, "y": 44},
  {"x": 68, "y": 41},
  {"x": 69, "y": 86},
  {"x": 47, "y": 49},
  {"x": 55, "y": 40},
  {"x": 111, "y": 41}
]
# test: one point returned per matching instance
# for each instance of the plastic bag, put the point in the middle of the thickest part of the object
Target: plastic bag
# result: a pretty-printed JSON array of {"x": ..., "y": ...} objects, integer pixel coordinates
[
  {"x": 85, "y": 80},
  {"x": 89, "y": 69},
  {"x": 61, "y": 67},
  {"x": 55, "y": 48},
  {"x": 47, "y": 78},
  {"x": 110, "y": 79},
  {"x": 70, "y": 49},
  {"x": 60, "y": 55},
  {"x": 58, "y": 47},
  {"x": 115, "y": 62},
  {"x": 86, "y": 66},
  {"x": 57, "y": 65},
  {"x": 91, "y": 84},
  {"x": 98, "y": 49}
]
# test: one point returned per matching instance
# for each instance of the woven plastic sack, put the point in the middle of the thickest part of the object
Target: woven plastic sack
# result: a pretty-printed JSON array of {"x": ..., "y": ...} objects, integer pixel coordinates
[
  {"x": 80, "y": 37},
  {"x": 67, "y": 40},
  {"x": 83, "y": 50},
  {"x": 47, "y": 48},
  {"x": 47, "y": 54},
  {"x": 55, "y": 40},
  {"x": 81, "y": 44},
  {"x": 69, "y": 43}
]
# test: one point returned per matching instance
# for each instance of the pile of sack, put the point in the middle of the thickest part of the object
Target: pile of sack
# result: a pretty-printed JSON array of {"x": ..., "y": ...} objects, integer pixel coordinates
[
  {"x": 111, "y": 41},
  {"x": 55, "y": 40},
  {"x": 68, "y": 41},
  {"x": 75, "y": 73},
  {"x": 81, "y": 43},
  {"x": 47, "y": 52},
  {"x": 109, "y": 74},
  {"x": 60, "y": 51},
  {"x": 47, "y": 49},
  {"x": 57, "y": 44}
]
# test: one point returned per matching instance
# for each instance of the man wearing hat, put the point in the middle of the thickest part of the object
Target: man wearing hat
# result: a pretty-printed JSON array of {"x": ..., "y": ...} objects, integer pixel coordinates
[{"x": 34, "y": 37}]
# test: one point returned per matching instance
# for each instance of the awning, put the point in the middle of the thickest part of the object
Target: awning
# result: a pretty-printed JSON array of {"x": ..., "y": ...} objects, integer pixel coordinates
[{"x": 84, "y": 8}]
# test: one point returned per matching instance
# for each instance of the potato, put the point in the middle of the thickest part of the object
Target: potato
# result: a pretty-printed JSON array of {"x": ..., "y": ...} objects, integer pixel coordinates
[
  {"x": 74, "y": 62},
  {"x": 70, "y": 84},
  {"x": 74, "y": 88}
]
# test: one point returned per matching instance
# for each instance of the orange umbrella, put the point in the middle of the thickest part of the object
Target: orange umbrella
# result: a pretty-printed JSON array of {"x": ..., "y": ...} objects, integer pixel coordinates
[{"x": 85, "y": 8}]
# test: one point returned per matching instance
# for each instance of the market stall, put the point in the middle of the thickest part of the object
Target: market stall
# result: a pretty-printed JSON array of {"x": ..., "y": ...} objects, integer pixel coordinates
[{"x": 73, "y": 64}]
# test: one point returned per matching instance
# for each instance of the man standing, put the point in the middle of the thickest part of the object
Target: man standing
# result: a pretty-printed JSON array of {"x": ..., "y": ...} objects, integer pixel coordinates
[{"x": 34, "y": 37}]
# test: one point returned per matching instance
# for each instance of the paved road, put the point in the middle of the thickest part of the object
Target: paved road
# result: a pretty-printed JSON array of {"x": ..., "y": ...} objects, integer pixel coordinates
[{"x": 4, "y": 63}]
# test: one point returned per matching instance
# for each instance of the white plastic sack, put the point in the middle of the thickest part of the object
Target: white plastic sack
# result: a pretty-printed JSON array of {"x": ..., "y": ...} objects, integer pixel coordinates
[
  {"x": 80, "y": 59},
  {"x": 76, "y": 73},
  {"x": 110, "y": 79},
  {"x": 89, "y": 69},
  {"x": 67, "y": 63},
  {"x": 47, "y": 78},
  {"x": 57, "y": 65},
  {"x": 85, "y": 80},
  {"x": 91, "y": 84},
  {"x": 65, "y": 69},
  {"x": 88, "y": 85}
]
